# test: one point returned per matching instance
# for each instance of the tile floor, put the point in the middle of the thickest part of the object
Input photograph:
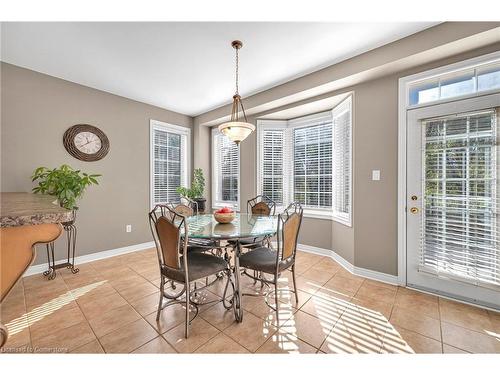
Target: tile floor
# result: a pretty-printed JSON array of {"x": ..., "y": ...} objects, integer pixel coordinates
[{"x": 110, "y": 307}]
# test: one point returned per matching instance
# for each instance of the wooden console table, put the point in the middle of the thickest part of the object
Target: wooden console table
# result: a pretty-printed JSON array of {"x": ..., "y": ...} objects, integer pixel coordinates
[{"x": 25, "y": 220}]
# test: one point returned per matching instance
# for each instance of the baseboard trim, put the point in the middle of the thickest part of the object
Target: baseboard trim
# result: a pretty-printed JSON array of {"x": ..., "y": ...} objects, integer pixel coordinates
[
  {"x": 358, "y": 271},
  {"x": 39, "y": 268}
]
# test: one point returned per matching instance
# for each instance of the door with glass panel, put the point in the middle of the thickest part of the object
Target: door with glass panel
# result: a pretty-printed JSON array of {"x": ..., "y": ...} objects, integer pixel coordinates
[{"x": 452, "y": 202}]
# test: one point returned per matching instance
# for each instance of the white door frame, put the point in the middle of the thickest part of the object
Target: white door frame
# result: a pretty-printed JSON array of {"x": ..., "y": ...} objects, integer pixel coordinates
[{"x": 403, "y": 107}]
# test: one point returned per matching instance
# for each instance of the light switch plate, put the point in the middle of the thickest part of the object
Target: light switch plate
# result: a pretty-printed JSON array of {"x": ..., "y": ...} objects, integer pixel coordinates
[
  {"x": 376, "y": 175},
  {"x": 128, "y": 228}
]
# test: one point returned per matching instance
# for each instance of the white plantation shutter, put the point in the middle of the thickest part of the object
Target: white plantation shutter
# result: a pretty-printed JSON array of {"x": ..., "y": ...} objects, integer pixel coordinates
[
  {"x": 271, "y": 167},
  {"x": 460, "y": 220},
  {"x": 226, "y": 170},
  {"x": 342, "y": 156},
  {"x": 168, "y": 162},
  {"x": 312, "y": 165}
]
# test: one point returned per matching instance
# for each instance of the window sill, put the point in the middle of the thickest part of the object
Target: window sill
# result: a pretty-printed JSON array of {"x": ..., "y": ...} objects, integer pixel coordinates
[{"x": 311, "y": 214}]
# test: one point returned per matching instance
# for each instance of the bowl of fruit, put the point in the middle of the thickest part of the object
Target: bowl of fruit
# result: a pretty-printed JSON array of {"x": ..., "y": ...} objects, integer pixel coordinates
[{"x": 224, "y": 215}]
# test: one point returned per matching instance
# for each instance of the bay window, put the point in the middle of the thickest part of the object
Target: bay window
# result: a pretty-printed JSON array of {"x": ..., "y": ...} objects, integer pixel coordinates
[{"x": 308, "y": 159}]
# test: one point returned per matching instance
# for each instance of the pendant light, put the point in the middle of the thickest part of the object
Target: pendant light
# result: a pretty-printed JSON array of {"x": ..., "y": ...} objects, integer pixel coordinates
[{"x": 237, "y": 129}]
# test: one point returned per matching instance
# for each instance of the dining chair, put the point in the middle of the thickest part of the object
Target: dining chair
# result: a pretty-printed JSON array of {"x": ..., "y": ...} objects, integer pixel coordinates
[
  {"x": 260, "y": 205},
  {"x": 266, "y": 260},
  {"x": 177, "y": 264},
  {"x": 188, "y": 209},
  {"x": 191, "y": 203}
]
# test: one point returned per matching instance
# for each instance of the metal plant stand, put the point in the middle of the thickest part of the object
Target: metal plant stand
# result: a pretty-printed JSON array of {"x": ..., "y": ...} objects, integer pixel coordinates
[{"x": 70, "y": 230}]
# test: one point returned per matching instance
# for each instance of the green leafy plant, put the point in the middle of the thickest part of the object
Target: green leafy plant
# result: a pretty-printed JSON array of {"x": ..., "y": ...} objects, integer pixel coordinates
[
  {"x": 65, "y": 183},
  {"x": 197, "y": 186}
]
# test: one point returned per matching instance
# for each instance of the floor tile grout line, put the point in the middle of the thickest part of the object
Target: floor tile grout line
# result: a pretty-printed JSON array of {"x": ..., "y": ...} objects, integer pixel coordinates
[
  {"x": 154, "y": 338},
  {"x": 440, "y": 325},
  {"x": 27, "y": 315},
  {"x": 255, "y": 316},
  {"x": 198, "y": 316}
]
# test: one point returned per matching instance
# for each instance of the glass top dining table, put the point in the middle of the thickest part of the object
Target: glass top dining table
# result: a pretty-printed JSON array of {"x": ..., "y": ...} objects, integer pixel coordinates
[{"x": 244, "y": 225}]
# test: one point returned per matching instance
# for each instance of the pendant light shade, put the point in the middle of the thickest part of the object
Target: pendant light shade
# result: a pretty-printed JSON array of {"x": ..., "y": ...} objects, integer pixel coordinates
[{"x": 237, "y": 129}]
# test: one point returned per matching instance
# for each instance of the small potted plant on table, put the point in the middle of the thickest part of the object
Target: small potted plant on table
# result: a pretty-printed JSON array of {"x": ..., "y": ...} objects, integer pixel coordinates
[
  {"x": 67, "y": 185},
  {"x": 195, "y": 193}
]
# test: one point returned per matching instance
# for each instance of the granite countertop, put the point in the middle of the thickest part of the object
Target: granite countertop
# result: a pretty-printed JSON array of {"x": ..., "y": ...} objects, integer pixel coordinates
[{"x": 18, "y": 209}]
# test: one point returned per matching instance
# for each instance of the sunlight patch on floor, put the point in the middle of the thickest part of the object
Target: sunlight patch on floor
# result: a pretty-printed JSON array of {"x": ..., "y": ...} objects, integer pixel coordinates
[
  {"x": 357, "y": 329},
  {"x": 38, "y": 313},
  {"x": 496, "y": 335}
]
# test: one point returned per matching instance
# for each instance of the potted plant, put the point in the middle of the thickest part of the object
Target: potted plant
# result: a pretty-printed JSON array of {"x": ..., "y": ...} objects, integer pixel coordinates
[
  {"x": 65, "y": 183},
  {"x": 196, "y": 191}
]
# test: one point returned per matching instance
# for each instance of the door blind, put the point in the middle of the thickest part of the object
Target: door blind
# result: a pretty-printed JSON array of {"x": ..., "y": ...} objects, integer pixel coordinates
[
  {"x": 167, "y": 166},
  {"x": 460, "y": 217}
]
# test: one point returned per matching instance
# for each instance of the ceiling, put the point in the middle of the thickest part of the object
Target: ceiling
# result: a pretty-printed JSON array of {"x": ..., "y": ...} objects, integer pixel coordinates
[
  {"x": 189, "y": 67},
  {"x": 316, "y": 106}
]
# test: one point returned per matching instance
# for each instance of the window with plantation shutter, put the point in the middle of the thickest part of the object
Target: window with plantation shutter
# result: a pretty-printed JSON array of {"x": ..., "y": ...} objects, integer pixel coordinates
[
  {"x": 312, "y": 165},
  {"x": 342, "y": 156},
  {"x": 308, "y": 159},
  {"x": 169, "y": 161},
  {"x": 225, "y": 171},
  {"x": 271, "y": 171}
]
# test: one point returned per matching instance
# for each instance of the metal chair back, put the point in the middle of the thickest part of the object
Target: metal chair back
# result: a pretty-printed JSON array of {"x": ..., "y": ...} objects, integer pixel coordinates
[
  {"x": 288, "y": 231},
  {"x": 261, "y": 205},
  {"x": 190, "y": 203},
  {"x": 167, "y": 227},
  {"x": 183, "y": 210}
]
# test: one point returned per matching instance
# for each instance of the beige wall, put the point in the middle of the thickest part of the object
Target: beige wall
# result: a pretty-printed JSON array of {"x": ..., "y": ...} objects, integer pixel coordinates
[
  {"x": 372, "y": 240},
  {"x": 37, "y": 109}
]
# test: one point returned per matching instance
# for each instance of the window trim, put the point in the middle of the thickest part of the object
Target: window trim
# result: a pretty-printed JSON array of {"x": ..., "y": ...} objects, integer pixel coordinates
[
  {"x": 270, "y": 125},
  {"x": 185, "y": 133},
  {"x": 341, "y": 217},
  {"x": 288, "y": 126},
  {"x": 216, "y": 204},
  {"x": 403, "y": 108},
  {"x": 476, "y": 63}
]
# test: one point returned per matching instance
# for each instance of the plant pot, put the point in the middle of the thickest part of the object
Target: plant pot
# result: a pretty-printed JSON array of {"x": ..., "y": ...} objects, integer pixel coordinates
[
  {"x": 72, "y": 221},
  {"x": 201, "y": 202}
]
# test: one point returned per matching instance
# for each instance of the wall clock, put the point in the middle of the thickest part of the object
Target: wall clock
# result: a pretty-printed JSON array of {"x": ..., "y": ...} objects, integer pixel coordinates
[{"x": 86, "y": 142}]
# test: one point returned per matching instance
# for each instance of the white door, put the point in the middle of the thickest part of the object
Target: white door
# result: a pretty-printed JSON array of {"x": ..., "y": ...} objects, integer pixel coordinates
[{"x": 452, "y": 205}]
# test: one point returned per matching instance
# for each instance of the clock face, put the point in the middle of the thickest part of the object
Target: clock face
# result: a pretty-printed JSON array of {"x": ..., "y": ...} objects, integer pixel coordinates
[{"x": 87, "y": 142}]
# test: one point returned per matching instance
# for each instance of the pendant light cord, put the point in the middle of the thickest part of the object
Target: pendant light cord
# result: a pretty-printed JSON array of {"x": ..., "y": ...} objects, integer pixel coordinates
[{"x": 237, "y": 72}]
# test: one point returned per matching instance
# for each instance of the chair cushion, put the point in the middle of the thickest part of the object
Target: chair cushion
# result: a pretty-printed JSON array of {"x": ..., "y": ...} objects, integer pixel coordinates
[
  {"x": 200, "y": 265},
  {"x": 263, "y": 259}
]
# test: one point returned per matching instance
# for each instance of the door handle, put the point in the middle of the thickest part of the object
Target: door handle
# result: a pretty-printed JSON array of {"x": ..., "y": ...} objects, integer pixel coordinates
[{"x": 414, "y": 210}]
